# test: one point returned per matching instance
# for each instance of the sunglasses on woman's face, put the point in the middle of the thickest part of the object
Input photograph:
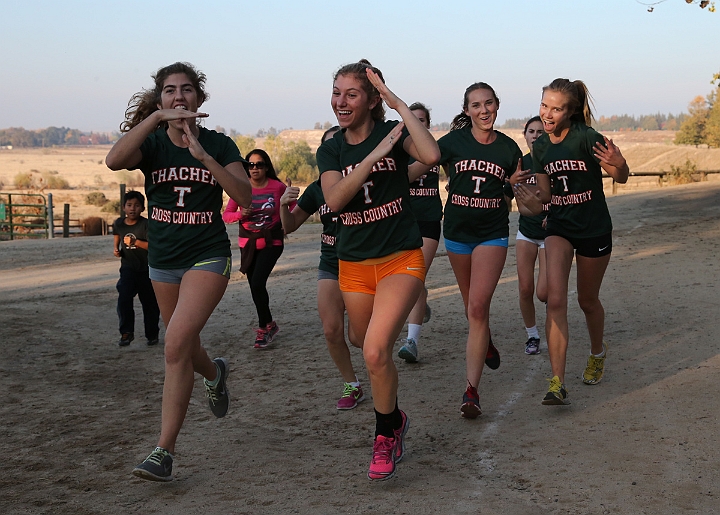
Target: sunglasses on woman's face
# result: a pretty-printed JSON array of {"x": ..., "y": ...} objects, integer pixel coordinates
[{"x": 259, "y": 165}]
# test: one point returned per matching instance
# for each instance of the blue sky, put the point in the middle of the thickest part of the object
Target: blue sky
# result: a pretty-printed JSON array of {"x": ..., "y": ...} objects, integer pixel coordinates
[{"x": 76, "y": 63}]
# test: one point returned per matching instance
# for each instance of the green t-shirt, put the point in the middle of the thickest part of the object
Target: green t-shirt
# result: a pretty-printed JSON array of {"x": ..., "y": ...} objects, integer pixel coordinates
[
  {"x": 578, "y": 208},
  {"x": 425, "y": 196},
  {"x": 476, "y": 209},
  {"x": 378, "y": 220},
  {"x": 184, "y": 200},
  {"x": 310, "y": 201}
]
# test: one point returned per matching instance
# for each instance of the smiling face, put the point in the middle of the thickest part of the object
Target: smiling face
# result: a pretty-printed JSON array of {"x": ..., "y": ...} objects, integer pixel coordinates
[
  {"x": 534, "y": 130},
  {"x": 178, "y": 92},
  {"x": 257, "y": 168},
  {"x": 482, "y": 107},
  {"x": 555, "y": 112},
  {"x": 350, "y": 102}
]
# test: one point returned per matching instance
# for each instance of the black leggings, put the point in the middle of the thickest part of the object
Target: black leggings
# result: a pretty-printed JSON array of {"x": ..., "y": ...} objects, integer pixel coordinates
[{"x": 257, "y": 275}]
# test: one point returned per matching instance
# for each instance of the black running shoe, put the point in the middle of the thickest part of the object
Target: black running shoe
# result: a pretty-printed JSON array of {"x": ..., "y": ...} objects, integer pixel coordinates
[
  {"x": 125, "y": 339},
  {"x": 153, "y": 341},
  {"x": 217, "y": 395},
  {"x": 492, "y": 359},
  {"x": 156, "y": 467}
]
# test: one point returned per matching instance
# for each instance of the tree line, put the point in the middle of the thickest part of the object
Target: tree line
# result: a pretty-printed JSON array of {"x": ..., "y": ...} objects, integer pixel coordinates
[
  {"x": 18, "y": 137},
  {"x": 623, "y": 122}
]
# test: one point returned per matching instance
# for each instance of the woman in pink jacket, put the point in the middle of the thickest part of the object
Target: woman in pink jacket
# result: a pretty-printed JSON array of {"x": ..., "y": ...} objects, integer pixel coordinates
[{"x": 260, "y": 238}]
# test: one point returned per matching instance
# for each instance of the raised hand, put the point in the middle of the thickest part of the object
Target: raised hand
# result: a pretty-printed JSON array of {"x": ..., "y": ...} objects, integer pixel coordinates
[
  {"x": 520, "y": 175},
  {"x": 386, "y": 145},
  {"x": 290, "y": 195},
  {"x": 609, "y": 153},
  {"x": 390, "y": 98},
  {"x": 167, "y": 115},
  {"x": 193, "y": 145}
]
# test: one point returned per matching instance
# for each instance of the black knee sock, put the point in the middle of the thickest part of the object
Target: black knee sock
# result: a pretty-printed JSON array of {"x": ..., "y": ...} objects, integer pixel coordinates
[{"x": 386, "y": 423}]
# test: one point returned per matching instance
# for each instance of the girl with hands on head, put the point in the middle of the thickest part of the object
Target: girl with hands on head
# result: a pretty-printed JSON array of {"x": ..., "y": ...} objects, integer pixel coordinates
[
  {"x": 186, "y": 169},
  {"x": 364, "y": 177},
  {"x": 331, "y": 306},
  {"x": 569, "y": 159}
]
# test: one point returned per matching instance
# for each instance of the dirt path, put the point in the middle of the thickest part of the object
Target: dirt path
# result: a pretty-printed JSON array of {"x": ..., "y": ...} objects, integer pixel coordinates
[{"x": 78, "y": 412}]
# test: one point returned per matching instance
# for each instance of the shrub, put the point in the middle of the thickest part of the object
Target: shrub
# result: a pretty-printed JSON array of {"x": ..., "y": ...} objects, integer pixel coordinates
[
  {"x": 96, "y": 198},
  {"x": 112, "y": 206},
  {"x": 132, "y": 179},
  {"x": 682, "y": 174},
  {"x": 55, "y": 182},
  {"x": 24, "y": 181},
  {"x": 92, "y": 226}
]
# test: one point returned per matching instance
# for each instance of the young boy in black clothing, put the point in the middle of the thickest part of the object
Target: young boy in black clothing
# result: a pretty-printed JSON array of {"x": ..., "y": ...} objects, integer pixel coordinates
[{"x": 131, "y": 245}]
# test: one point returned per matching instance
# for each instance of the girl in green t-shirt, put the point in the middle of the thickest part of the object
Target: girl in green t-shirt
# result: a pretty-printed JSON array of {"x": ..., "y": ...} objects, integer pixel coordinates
[
  {"x": 364, "y": 179},
  {"x": 568, "y": 161},
  {"x": 331, "y": 306},
  {"x": 186, "y": 169},
  {"x": 530, "y": 246},
  {"x": 478, "y": 160},
  {"x": 427, "y": 207}
]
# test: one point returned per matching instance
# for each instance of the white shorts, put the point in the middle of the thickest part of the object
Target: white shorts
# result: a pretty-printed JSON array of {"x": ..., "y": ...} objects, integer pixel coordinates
[{"x": 521, "y": 236}]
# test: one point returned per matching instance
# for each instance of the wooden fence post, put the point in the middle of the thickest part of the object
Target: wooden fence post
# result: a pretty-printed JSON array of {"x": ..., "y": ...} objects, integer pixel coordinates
[{"x": 66, "y": 220}]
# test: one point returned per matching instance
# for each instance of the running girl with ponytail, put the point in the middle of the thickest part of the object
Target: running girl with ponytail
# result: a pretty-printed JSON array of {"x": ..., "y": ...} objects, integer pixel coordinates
[
  {"x": 478, "y": 160},
  {"x": 569, "y": 160},
  {"x": 364, "y": 178}
]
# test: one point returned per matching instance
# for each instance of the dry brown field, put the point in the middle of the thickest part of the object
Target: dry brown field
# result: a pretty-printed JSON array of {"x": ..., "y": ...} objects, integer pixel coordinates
[{"x": 85, "y": 171}]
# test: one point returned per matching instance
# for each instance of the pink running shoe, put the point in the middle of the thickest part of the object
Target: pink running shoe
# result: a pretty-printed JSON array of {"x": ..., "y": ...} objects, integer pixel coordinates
[
  {"x": 261, "y": 338},
  {"x": 382, "y": 465},
  {"x": 272, "y": 329},
  {"x": 351, "y": 397},
  {"x": 400, "y": 437}
]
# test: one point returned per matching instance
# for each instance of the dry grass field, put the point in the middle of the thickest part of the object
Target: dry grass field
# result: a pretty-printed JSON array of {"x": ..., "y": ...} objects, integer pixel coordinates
[{"x": 84, "y": 167}]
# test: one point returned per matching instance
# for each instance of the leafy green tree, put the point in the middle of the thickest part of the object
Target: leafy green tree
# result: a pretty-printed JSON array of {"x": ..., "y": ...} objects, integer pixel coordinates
[
  {"x": 298, "y": 162},
  {"x": 245, "y": 144},
  {"x": 275, "y": 147},
  {"x": 692, "y": 129}
]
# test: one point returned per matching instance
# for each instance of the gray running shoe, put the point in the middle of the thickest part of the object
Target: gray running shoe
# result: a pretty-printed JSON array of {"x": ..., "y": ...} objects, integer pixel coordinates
[
  {"x": 218, "y": 396},
  {"x": 408, "y": 351},
  {"x": 156, "y": 467}
]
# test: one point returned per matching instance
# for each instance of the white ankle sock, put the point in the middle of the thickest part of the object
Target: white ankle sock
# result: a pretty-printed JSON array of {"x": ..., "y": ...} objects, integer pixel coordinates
[
  {"x": 414, "y": 331},
  {"x": 532, "y": 332}
]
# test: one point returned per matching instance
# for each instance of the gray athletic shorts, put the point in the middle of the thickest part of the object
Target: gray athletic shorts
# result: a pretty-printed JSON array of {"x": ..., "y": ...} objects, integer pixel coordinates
[
  {"x": 324, "y": 274},
  {"x": 218, "y": 265}
]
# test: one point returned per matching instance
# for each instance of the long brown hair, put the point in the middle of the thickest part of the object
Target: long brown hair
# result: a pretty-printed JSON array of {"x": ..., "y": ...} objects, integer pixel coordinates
[
  {"x": 463, "y": 120},
  {"x": 358, "y": 71},
  {"x": 145, "y": 103},
  {"x": 579, "y": 99}
]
